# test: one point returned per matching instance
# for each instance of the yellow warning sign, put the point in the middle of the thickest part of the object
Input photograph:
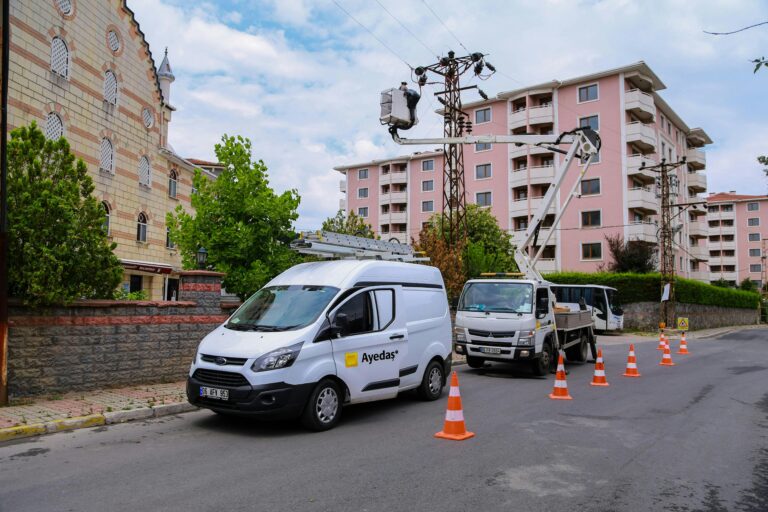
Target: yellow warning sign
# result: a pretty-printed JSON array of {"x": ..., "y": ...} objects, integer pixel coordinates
[
  {"x": 350, "y": 359},
  {"x": 682, "y": 323}
]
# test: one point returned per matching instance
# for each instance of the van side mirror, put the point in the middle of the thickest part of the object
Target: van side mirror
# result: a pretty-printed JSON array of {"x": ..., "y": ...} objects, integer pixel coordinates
[{"x": 340, "y": 325}]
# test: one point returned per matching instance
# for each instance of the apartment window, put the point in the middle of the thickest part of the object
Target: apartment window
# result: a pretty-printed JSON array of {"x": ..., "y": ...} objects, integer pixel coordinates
[
  {"x": 110, "y": 88},
  {"x": 54, "y": 127},
  {"x": 362, "y": 174},
  {"x": 753, "y": 207},
  {"x": 141, "y": 228},
  {"x": 172, "y": 183},
  {"x": 427, "y": 186},
  {"x": 105, "y": 225},
  {"x": 362, "y": 211},
  {"x": 727, "y": 208},
  {"x": 169, "y": 243},
  {"x": 592, "y": 251},
  {"x": 427, "y": 206},
  {"x": 482, "y": 146},
  {"x": 588, "y": 93},
  {"x": 483, "y": 199},
  {"x": 145, "y": 172},
  {"x": 590, "y": 219},
  {"x": 712, "y": 209},
  {"x": 756, "y": 267},
  {"x": 428, "y": 165},
  {"x": 59, "y": 57},
  {"x": 482, "y": 171},
  {"x": 754, "y": 253},
  {"x": 106, "y": 157},
  {"x": 754, "y": 221},
  {"x": 483, "y": 116},
  {"x": 590, "y": 122},
  {"x": 590, "y": 187},
  {"x": 362, "y": 193},
  {"x": 754, "y": 237}
]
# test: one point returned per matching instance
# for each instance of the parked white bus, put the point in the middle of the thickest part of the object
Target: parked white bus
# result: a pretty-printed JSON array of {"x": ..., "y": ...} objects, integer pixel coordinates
[{"x": 603, "y": 300}]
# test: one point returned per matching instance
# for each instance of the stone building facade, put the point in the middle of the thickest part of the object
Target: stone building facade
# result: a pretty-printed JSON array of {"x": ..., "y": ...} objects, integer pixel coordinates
[{"x": 82, "y": 69}]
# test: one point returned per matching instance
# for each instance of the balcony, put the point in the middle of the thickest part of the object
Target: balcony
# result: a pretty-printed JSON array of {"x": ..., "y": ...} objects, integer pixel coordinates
[
  {"x": 696, "y": 158},
  {"x": 699, "y": 275},
  {"x": 698, "y": 229},
  {"x": 700, "y": 253},
  {"x": 643, "y": 199},
  {"x": 724, "y": 245},
  {"x": 633, "y": 167},
  {"x": 518, "y": 178},
  {"x": 541, "y": 174},
  {"x": 697, "y": 182},
  {"x": 541, "y": 115},
  {"x": 642, "y": 135},
  {"x": 643, "y": 232},
  {"x": 393, "y": 177},
  {"x": 641, "y": 104},
  {"x": 342, "y": 204},
  {"x": 518, "y": 207},
  {"x": 343, "y": 186},
  {"x": 546, "y": 266},
  {"x": 517, "y": 151},
  {"x": 518, "y": 119},
  {"x": 538, "y": 150},
  {"x": 728, "y": 276},
  {"x": 721, "y": 215},
  {"x": 536, "y": 203},
  {"x": 393, "y": 218},
  {"x": 722, "y": 230},
  {"x": 393, "y": 197}
]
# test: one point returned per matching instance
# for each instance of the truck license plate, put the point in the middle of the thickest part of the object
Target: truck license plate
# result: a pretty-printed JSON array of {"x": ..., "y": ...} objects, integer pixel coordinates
[
  {"x": 490, "y": 350},
  {"x": 215, "y": 393}
]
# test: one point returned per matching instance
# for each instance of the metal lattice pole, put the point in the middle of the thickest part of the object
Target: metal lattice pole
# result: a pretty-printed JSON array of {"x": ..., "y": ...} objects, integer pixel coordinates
[
  {"x": 667, "y": 255},
  {"x": 454, "y": 192}
]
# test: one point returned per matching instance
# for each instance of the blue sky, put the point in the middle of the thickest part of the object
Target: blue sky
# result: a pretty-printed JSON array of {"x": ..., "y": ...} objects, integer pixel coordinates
[{"x": 302, "y": 79}]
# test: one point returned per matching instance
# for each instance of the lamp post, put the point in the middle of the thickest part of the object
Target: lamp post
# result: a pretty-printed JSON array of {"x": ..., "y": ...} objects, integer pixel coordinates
[{"x": 202, "y": 258}]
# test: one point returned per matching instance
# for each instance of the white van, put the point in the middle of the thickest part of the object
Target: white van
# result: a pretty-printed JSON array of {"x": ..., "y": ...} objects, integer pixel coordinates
[{"x": 325, "y": 334}]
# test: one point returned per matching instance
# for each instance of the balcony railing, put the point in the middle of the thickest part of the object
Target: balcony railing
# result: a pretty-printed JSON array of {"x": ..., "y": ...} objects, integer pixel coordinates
[
  {"x": 343, "y": 186},
  {"x": 641, "y": 104},
  {"x": 393, "y": 177},
  {"x": 697, "y": 182},
  {"x": 542, "y": 174},
  {"x": 698, "y": 230},
  {"x": 393, "y": 197},
  {"x": 642, "y": 198},
  {"x": 643, "y": 232},
  {"x": 696, "y": 158},
  {"x": 643, "y": 135},
  {"x": 517, "y": 151},
  {"x": 699, "y": 252},
  {"x": 518, "y": 118},
  {"x": 699, "y": 275},
  {"x": 541, "y": 115},
  {"x": 634, "y": 163}
]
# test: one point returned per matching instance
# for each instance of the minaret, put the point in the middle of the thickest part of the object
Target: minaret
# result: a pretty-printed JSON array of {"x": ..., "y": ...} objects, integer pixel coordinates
[{"x": 165, "y": 76}]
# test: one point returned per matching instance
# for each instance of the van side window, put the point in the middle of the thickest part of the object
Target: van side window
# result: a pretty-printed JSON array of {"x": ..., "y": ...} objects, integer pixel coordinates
[
  {"x": 385, "y": 307},
  {"x": 359, "y": 314}
]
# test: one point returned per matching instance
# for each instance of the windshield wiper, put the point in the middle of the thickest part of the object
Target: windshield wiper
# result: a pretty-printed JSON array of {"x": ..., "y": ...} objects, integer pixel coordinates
[{"x": 239, "y": 327}]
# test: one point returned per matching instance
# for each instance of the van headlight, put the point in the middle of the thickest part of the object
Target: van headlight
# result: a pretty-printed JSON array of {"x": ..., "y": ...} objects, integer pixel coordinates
[
  {"x": 460, "y": 334},
  {"x": 526, "y": 338},
  {"x": 280, "y": 358}
]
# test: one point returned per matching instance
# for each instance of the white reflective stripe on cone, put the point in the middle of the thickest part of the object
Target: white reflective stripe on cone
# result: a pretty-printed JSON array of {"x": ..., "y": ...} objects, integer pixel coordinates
[
  {"x": 561, "y": 384},
  {"x": 454, "y": 416},
  {"x": 599, "y": 373},
  {"x": 560, "y": 368},
  {"x": 631, "y": 365},
  {"x": 454, "y": 392}
]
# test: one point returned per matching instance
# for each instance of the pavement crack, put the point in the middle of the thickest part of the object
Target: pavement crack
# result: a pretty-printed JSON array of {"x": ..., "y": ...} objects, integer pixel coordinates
[{"x": 32, "y": 452}]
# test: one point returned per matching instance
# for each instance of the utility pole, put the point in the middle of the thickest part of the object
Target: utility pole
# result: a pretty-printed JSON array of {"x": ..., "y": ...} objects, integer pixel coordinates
[
  {"x": 456, "y": 123},
  {"x": 5, "y": 58}
]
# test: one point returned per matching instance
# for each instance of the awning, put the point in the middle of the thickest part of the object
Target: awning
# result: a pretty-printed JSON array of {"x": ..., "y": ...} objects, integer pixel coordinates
[{"x": 147, "y": 266}]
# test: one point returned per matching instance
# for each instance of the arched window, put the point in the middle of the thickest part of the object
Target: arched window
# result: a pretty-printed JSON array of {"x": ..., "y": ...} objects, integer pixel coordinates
[
  {"x": 148, "y": 117},
  {"x": 65, "y": 6},
  {"x": 141, "y": 228},
  {"x": 59, "y": 57},
  {"x": 110, "y": 88},
  {"x": 54, "y": 126},
  {"x": 172, "y": 182},
  {"x": 145, "y": 172},
  {"x": 107, "y": 159},
  {"x": 114, "y": 41},
  {"x": 105, "y": 226}
]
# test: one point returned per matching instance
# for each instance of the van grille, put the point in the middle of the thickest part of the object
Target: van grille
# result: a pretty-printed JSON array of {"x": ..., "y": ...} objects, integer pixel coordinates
[
  {"x": 234, "y": 361},
  {"x": 219, "y": 378},
  {"x": 494, "y": 334}
]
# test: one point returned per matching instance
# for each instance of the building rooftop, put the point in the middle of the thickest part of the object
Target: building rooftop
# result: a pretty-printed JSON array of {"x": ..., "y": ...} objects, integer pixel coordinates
[
  {"x": 724, "y": 197},
  {"x": 206, "y": 163}
]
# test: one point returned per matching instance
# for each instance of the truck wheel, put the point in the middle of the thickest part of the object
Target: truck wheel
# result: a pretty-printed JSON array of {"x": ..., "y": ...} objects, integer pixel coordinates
[
  {"x": 475, "y": 362},
  {"x": 432, "y": 383},
  {"x": 578, "y": 353},
  {"x": 323, "y": 409},
  {"x": 541, "y": 365}
]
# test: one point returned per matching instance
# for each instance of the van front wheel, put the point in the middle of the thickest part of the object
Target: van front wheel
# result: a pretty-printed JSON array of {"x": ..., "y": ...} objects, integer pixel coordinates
[
  {"x": 323, "y": 409},
  {"x": 432, "y": 383}
]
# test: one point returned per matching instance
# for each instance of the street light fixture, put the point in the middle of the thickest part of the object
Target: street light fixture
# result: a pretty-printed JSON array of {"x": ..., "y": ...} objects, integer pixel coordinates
[{"x": 202, "y": 258}]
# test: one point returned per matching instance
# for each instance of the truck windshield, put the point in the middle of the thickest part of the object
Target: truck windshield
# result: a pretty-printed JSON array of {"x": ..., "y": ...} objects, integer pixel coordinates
[
  {"x": 499, "y": 297},
  {"x": 282, "y": 308}
]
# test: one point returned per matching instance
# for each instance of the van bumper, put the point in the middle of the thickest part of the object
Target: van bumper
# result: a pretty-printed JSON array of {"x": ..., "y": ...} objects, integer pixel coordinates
[{"x": 278, "y": 400}]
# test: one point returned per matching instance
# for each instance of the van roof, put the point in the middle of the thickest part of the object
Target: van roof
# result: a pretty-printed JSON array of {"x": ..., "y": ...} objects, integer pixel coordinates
[{"x": 349, "y": 273}]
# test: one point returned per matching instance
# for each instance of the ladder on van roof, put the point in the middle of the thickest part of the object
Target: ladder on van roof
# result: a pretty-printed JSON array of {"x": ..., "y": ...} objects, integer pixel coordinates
[{"x": 327, "y": 244}]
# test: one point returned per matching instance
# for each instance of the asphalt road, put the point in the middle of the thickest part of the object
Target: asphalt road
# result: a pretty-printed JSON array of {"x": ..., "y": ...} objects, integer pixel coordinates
[{"x": 693, "y": 437}]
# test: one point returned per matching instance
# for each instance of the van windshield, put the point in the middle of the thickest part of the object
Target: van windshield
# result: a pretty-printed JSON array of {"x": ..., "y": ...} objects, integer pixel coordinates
[
  {"x": 498, "y": 297},
  {"x": 282, "y": 308}
]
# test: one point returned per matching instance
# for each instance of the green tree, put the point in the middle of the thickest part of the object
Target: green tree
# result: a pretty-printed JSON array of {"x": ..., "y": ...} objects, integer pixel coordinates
[
  {"x": 351, "y": 224},
  {"x": 58, "y": 248},
  {"x": 242, "y": 223},
  {"x": 633, "y": 256},
  {"x": 747, "y": 285},
  {"x": 721, "y": 283},
  {"x": 763, "y": 160}
]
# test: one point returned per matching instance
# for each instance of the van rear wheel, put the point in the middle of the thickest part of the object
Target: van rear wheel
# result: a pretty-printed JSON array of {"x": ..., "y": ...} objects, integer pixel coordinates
[
  {"x": 323, "y": 409},
  {"x": 432, "y": 383}
]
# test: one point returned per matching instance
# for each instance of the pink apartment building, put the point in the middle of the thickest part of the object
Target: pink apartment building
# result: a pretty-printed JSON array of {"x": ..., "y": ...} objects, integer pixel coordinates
[
  {"x": 396, "y": 196},
  {"x": 738, "y": 237}
]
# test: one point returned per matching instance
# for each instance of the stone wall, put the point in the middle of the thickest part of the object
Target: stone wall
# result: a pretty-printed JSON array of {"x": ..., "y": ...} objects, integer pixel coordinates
[
  {"x": 644, "y": 316},
  {"x": 97, "y": 344}
]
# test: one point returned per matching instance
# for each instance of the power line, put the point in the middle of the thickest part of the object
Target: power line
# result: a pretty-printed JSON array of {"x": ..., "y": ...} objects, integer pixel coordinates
[
  {"x": 372, "y": 34},
  {"x": 736, "y": 31},
  {"x": 444, "y": 25},
  {"x": 408, "y": 30}
]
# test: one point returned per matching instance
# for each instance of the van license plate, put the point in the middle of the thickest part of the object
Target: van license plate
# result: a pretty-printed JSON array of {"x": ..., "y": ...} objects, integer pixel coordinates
[
  {"x": 490, "y": 350},
  {"x": 215, "y": 393}
]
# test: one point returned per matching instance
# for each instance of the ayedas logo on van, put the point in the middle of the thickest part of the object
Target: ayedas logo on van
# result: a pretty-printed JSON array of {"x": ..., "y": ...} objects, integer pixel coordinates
[{"x": 350, "y": 358}]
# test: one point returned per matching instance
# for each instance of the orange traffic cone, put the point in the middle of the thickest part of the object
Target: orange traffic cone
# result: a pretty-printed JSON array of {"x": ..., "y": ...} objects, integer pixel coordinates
[
  {"x": 454, "y": 428},
  {"x": 631, "y": 370},
  {"x": 661, "y": 341},
  {"x": 683, "y": 345},
  {"x": 666, "y": 359},
  {"x": 598, "y": 379},
  {"x": 560, "y": 392}
]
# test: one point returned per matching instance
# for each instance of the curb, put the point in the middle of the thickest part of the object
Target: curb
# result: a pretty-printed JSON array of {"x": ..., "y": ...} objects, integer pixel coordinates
[{"x": 93, "y": 420}]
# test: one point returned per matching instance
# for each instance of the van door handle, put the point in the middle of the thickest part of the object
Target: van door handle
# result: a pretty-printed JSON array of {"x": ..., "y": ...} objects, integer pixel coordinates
[{"x": 397, "y": 336}]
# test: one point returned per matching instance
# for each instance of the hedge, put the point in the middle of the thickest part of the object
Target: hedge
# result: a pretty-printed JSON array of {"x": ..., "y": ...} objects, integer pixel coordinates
[{"x": 647, "y": 288}]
